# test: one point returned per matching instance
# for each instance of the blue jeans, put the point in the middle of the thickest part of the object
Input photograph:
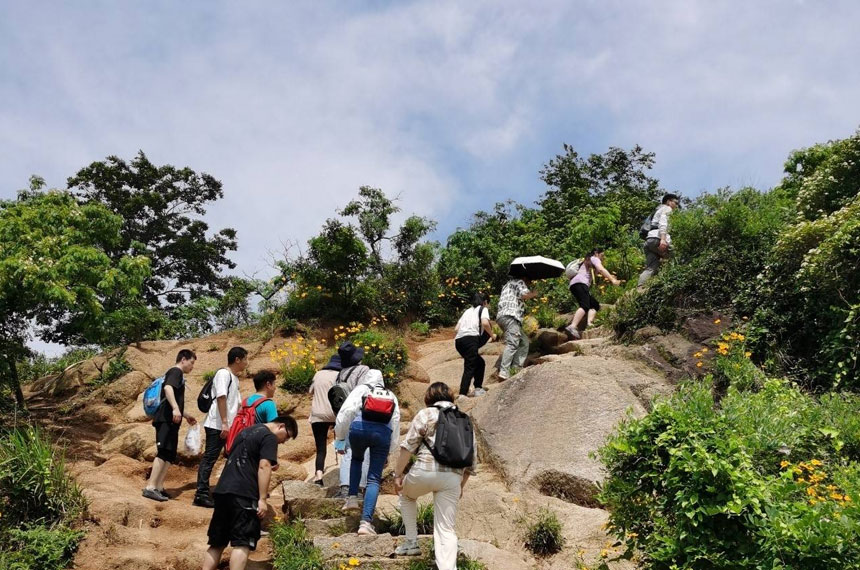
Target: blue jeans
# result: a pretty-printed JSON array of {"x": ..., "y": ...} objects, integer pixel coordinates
[{"x": 377, "y": 438}]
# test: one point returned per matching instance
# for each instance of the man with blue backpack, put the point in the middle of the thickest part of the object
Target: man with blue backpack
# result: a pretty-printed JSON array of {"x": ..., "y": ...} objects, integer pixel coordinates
[{"x": 166, "y": 421}]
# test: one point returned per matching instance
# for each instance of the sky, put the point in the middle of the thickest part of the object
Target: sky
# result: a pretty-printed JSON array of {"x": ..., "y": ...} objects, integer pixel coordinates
[{"x": 449, "y": 106}]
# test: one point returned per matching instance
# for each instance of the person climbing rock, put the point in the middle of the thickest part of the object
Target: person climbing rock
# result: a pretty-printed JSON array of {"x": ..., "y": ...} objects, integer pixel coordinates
[
  {"x": 658, "y": 243},
  {"x": 370, "y": 419},
  {"x": 322, "y": 417},
  {"x": 510, "y": 318},
  {"x": 241, "y": 496},
  {"x": 225, "y": 406},
  {"x": 580, "y": 288},
  {"x": 473, "y": 330},
  {"x": 430, "y": 474},
  {"x": 166, "y": 421},
  {"x": 352, "y": 373}
]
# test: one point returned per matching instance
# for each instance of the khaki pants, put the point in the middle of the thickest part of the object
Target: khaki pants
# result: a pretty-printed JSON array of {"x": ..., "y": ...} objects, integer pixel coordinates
[
  {"x": 445, "y": 487},
  {"x": 516, "y": 345}
]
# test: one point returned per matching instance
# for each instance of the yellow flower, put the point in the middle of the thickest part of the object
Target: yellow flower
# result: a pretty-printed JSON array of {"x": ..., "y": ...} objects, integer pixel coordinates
[
  {"x": 748, "y": 354},
  {"x": 784, "y": 464},
  {"x": 699, "y": 364},
  {"x": 354, "y": 562},
  {"x": 336, "y": 545},
  {"x": 705, "y": 349},
  {"x": 604, "y": 553},
  {"x": 717, "y": 321},
  {"x": 698, "y": 355}
]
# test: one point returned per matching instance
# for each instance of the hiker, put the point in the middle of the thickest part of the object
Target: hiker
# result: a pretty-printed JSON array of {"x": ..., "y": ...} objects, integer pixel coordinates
[
  {"x": 580, "y": 287},
  {"x": 473, "y": 330},
  {"x": 510, "y": 318},
  {"x": 430, "y": 475},
  {"x": 166, "y": 421},
  {"x": 264, "y": 384},
  {"x": 352, "y": 374},
  {"x": 225, "y": 392},
  {"x": 242, "y": 491},
  {"x": 322, "y": 416},
  {"x": 370, "y": 419},
  {"x": 658, "y": 243}
]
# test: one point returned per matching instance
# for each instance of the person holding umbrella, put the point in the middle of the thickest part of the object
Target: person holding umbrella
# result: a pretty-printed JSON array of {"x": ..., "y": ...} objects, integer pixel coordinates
[{"x": 510, "y": 318}]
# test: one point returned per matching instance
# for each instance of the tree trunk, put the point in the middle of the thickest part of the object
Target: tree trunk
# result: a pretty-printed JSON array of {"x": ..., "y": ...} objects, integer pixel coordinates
[{"x": 14, "y": 382}]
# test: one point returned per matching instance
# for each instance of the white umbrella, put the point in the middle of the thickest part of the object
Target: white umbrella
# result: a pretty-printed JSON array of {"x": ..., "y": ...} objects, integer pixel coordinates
[{"x": 536, "y": 267}]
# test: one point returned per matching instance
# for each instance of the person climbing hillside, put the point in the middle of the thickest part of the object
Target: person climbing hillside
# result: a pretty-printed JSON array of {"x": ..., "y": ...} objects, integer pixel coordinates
[
  {"x": 580, "y": 288},
  {"x": 430, "y": 474},
  {"x": 370, "y": 419},
  {"x": 242, "y": 491},
  {"x": 658, "y": 243},
  {"x": 264, "y": 384},
  {"x": 166, "y": 422},
  {"x": 473, "y": 330},
  {"x": 352, "y": 374},
  {"x": 510, "y": 318},
  {"x": 322, "y": 416},
  {"x": 226, "y": 399}
]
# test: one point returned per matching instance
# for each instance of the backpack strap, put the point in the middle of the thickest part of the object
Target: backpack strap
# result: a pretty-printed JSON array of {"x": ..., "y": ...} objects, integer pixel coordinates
[
  {"x": 256, "y": 403},
  {"x": 348, "y": 375},
  {"x": 229, "y": 382}
]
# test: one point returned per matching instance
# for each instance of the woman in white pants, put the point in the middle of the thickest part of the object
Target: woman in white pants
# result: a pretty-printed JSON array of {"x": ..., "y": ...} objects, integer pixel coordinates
[{"x": 429, "y": 476}]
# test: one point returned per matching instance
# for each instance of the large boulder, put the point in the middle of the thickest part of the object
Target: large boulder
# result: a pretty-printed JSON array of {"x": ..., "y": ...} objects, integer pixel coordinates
[{"x": 540, "y": 427}]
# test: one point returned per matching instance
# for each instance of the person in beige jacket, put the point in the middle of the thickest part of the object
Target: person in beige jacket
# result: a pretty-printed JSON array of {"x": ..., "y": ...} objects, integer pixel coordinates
[{"x": 429, "y": 476}]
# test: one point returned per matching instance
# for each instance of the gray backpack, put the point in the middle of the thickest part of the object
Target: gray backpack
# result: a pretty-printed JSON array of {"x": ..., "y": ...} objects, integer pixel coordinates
[{"x": 647, "y": 225}]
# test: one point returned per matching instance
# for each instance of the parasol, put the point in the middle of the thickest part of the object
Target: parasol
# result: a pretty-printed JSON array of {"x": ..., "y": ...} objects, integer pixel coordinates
[{"x": 535, "y": 267}]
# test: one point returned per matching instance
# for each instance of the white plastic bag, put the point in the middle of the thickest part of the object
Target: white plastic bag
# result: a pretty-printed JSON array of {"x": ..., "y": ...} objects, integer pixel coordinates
[{"x": 192, "y": 440}]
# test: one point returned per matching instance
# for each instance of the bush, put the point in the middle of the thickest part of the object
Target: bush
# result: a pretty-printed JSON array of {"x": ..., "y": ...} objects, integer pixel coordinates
[
  {"x": 38, "y": 365},
  {"x": 543, "y": 536},
  {"x": 419, "y": 328},
  {"x": 209, "y": 375},
  {"x": 293, "y": 549},
  {"x": 382, "y": 350},
  {"x": 39, "y": 547},
  {"x": 764, "y": 480},
  {"x": 297, "y": 361},
  {"x": 115, "y": 368},
  {"x": 393, "y": 522},
  {"x": 36, "y": 487}
]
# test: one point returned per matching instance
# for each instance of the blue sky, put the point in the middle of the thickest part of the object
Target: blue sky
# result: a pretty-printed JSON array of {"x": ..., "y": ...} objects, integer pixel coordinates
[{"x": 452, "y": 106}]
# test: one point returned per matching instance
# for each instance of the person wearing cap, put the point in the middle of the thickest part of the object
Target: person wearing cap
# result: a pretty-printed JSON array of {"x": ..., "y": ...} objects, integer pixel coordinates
[
  {"x": 241, "y": 496},
  {"x": 354, "y": 374},
  {"x": 322, "y": 417},
  {"x": 658, "y": 244}
]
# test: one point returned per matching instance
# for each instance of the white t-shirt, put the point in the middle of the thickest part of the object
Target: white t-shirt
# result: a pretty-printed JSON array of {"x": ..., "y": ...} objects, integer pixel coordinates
[
  {"x": 225, "y": 383},
  {"x": 661, "y": 220},
  {"x": 468, "y": 324}
]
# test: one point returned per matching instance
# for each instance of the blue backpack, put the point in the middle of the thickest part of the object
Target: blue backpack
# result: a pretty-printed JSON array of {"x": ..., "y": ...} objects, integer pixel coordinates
[{"x": 152, "y": 397}]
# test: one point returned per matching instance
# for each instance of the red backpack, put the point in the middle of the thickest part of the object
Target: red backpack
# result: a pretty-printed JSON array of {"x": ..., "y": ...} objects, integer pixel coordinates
[{"x": 246, "y": 417}]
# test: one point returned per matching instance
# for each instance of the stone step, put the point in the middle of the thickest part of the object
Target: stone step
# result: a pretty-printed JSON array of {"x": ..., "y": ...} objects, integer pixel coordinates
[
  {"x": 332, "y": 527},
  {"x": 313, "y": 508},
  {"x": 365, "y": 548}
]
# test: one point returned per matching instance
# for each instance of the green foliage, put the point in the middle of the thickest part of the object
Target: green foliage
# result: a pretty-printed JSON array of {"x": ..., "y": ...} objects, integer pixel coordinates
[
  {"x": 764, "y": 480},
  {"x": 383, "y": 351},
  {"x": 38, "y": 365},
  {"x": 160, "y": 208},
  {"x": 419, "y": 328},
  {"x": 293, "y": 549},
  {"x": 39, "y": 547},
  {"x": 393, "y": 522},
  {"x": 297, "y": 361},
  {"x": 544, "y": 536},
  {"x": 36, "y": 487},
  {"x": 114, "y": 369},
  {"x": 208, "y": 375}
]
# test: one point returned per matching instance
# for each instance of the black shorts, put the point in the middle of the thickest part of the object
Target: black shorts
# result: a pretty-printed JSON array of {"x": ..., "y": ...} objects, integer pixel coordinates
[
  {"x": 583, "y": 296},
  {"x": 167, "y": 441},
  {"x": 235, "y": 521}
]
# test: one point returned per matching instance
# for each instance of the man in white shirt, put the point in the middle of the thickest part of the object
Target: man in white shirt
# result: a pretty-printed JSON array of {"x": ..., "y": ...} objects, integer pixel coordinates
[
  {"x": 658, "y": 244},
  {"x": 225, "y": 406}
]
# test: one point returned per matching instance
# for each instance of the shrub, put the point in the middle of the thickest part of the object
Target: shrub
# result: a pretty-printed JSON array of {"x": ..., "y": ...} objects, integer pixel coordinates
[
  {"x": 209, "y": 375},
  {"x": 393, "y": 522},
  {"x": 39, "y": 547},
  {"x": 36, "y": 487},
  {"x": 382, "y": 350},
  {"x": 297, "y": 361},
  {"x": 293, "y": 549},
  {"x": 115, "y": 368},
  {"x": 543, "y": 535},
  {"x": 38, "y": 365},
  {"x": 764, "y": 480},
  {"x": 419, "y": 328}
]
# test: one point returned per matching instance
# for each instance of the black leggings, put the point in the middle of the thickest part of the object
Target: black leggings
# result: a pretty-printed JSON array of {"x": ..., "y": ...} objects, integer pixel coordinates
[
  {"x": 583, "y": 296},
  {"x": 320, "y": 430},
  {"x": 473, "y": 363}
]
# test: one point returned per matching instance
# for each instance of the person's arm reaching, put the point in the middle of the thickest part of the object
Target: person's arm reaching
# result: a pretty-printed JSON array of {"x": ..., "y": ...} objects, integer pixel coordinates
[
  {"x": 400, "y": 467},
  {"x": 264, "y": 475},
  {"x": 595, "y": 262}
]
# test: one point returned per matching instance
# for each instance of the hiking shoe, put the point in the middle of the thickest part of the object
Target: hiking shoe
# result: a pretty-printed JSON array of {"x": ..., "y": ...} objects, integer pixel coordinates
[
  {"x": 480, "y": 392},
  {"x": 408, "y": 548},
  {"x": 573, "y": 331},
  {"x": 352, "y": 504},
  {"x": 203, "y": 501},
  {"x": 154, "y": 495},
  {"x": 361, "y": 493},
  {"x": 318, "y": 482},
  {"x": 342, "y": 493},
  {"x": 366, "y": 528}
]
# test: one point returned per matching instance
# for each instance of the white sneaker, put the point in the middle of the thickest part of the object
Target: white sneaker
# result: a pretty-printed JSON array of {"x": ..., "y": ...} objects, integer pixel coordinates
[
  {"x": 408, "y": 548},
  {"x": 352, "y": 504},
  {"x": 480, "y": 392},
  {"x": 365, "y": 527}
]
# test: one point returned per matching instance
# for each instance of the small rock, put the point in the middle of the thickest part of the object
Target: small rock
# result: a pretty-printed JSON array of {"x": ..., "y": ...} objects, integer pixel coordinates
[{"x": 646, "y": 333}]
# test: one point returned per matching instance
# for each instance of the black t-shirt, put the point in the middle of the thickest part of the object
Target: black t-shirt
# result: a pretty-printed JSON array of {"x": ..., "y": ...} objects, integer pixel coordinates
[
  {"x": 240, "y": 473},
  {"x": 176, "y": 380}
]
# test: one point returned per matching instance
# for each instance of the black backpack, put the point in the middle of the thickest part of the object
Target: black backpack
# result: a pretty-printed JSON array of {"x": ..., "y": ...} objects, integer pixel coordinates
[
  {"x": 205, "y": 397},
  {"x": 647, "y": 225},
  {"x": 455, "y": 439},
  {"x": 339, "y": 392},
  {"x": 483, "y": 337}
]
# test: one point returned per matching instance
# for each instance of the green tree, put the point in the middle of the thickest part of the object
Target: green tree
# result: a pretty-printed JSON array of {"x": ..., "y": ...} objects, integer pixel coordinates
[
  {"x": 160, "y": 208},
  {"x": 56, "y": 274},
  {"x": 373, "y": 210}
]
